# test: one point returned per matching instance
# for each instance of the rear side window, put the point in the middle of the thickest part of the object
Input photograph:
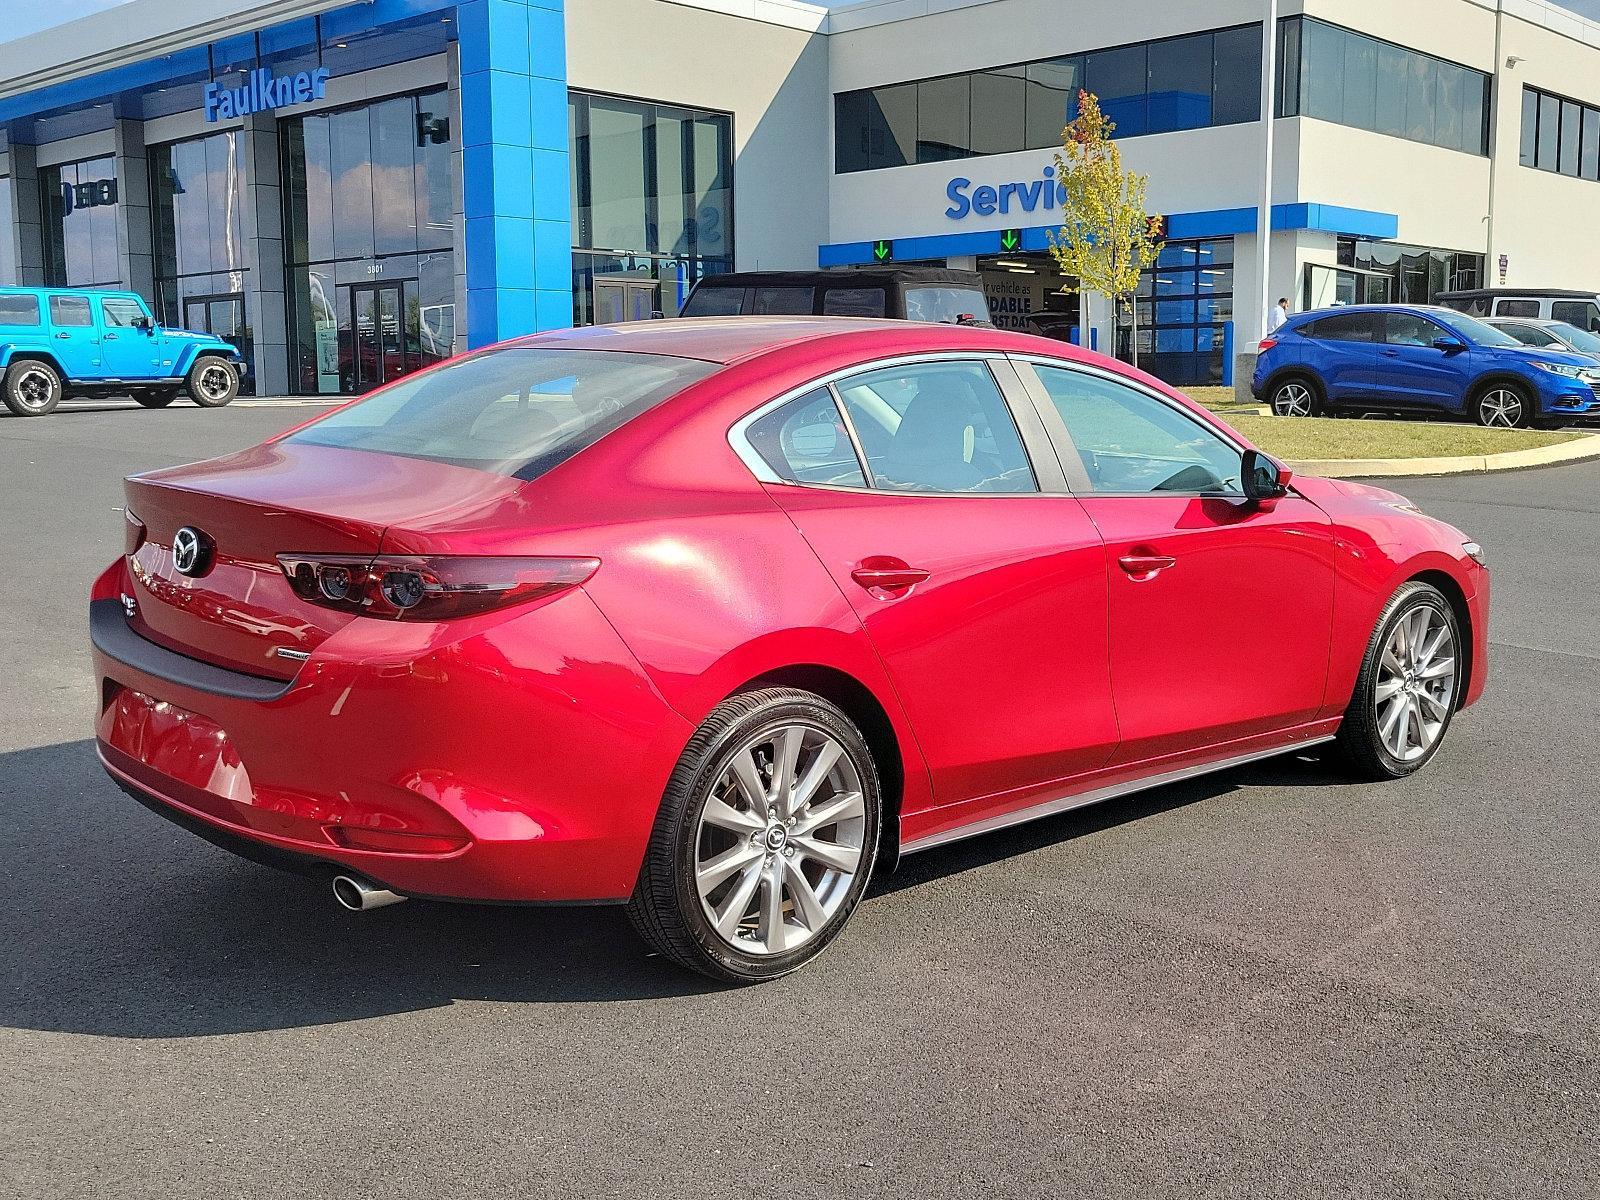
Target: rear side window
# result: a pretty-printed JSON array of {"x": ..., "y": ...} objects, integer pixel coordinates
[
  {"x": 1517, "y": 308},
  {"x": 19, "y": 310},
  {"x": 70, "y": 310},
  {"x": 937, "y": 427},
  {"x": 805, "y": 441},
  {"x": 519, "y": 411},
  {"x": 1346, "y": 327},
  {"x": 1585, "y": 314},
  {"x": 784, "y": 301},
  {"x": 714, "y": 302},
  {"x": 121, "y": 313},
  {"x": 853, "y": 302}
]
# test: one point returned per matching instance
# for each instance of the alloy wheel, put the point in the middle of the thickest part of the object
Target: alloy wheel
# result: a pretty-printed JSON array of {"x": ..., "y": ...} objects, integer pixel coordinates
[
  {"x": 1292, "y": 400},
  {"x": 779, "y": 839},
  {"x": 1500, "y": 408},
  {"x": 214, "y": 382},
  {"x": 35, "y": 388},
  {"x": 1416, "y": 683}
]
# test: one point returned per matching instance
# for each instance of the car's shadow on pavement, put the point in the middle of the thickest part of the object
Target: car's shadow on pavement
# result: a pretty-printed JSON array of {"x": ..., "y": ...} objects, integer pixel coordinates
[{"x": 120, "y": 925}]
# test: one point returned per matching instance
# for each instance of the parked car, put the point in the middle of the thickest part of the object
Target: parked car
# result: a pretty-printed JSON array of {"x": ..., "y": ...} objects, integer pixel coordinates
[
  {"x": 905, "y": 293},
  {"x": 1419, "y": 359},
  {"x": 1549, "y": 335},
  {"x": 59, "y": 342},
  {"x": 716, "y": 619},
  {"x": 1578, "y": 308}
]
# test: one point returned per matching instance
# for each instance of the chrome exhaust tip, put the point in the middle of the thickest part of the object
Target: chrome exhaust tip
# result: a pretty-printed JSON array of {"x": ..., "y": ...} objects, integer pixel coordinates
[{"x": 359, "y": 896}]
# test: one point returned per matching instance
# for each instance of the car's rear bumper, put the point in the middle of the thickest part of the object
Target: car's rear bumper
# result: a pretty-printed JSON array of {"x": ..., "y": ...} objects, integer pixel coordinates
[{"x": 522, "y": 762}]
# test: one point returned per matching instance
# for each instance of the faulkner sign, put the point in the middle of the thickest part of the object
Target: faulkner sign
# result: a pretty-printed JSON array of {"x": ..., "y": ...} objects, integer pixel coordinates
[{"x": 263, "y": 91}]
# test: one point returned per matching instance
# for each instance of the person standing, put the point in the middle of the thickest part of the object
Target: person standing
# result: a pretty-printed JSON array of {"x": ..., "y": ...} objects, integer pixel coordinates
[{"x": 1278, "y": 315}]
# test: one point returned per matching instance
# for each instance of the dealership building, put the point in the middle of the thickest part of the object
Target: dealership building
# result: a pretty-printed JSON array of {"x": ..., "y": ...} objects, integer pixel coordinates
[{"x": 350, "y": 191}]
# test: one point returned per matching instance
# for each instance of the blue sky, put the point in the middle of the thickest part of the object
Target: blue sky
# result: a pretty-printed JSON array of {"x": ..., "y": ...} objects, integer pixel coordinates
[{"x": 30, "y": 16}]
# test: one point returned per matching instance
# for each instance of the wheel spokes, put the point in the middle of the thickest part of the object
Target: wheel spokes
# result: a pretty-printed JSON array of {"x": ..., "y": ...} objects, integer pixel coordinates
[
  {"x": 842, "y": 807},
  {"x": 709, "y": 874},
  {"x": 830, "y": 854}
]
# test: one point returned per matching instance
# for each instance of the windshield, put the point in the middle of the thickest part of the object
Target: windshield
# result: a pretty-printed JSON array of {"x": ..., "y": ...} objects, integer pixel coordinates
[
  {"x": 1475, "y": 330},
  {"x": 518, "y": 411},
  {"x": 1578, "y": 339},
  {"x": 945, "y": 305}
]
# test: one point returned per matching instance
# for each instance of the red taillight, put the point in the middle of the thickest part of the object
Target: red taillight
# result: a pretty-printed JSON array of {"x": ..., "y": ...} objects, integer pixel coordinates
[
  {"x": 133, "y": 532},
  {"x": 1268, "y": 343},
  {"x": 429, "y": 587}
]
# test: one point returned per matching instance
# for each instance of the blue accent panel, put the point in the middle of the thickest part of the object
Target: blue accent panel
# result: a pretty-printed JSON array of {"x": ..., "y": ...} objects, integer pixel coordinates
[
  {"x": 515, "y": 169},
  {"x": 1227, "y": 354},
  {"x": 1218, "y": 222}
]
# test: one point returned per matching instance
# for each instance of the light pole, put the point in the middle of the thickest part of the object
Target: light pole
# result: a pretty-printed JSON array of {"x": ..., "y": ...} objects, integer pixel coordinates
[{"x": 1269, "y": 81}]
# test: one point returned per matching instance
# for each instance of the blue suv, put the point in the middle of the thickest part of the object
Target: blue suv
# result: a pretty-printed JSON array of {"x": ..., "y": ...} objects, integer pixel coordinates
[
  {"x": 1417, "y": 358},
  {"x": 59, "y": 342}
]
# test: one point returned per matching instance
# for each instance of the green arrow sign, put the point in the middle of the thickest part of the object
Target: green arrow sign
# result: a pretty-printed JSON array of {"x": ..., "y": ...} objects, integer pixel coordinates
[
  {"x": 882, "y": 251},
  {"x": 1010, "y": 239}
]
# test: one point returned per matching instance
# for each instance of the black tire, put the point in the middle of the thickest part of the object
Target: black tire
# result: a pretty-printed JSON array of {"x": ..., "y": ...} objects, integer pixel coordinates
[
  {"x": 212, "y": 381},
  {"x": 155, "y": 397},
  {"x": 1360, "y": 742},
  {"x": 1491, "y": 411},
  {"x": 32, "y": 387},
  {"x": 665, "y": 907},
  {"x": 1293, "y": 393}
]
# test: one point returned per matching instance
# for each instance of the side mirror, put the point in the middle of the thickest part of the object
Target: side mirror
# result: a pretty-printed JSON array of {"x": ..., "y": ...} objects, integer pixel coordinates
[
  {"x": 1449, "y": 345},
  {"x": 143, "y": 324},
  {"x": 1265, "y": 479}
]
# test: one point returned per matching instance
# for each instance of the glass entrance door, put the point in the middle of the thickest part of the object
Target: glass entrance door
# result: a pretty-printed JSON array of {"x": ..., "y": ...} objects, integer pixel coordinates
[
  {"x": 222, "y": 315},
  {"x": 624, "y": 298},
  {"x": 378, "y": 328}
]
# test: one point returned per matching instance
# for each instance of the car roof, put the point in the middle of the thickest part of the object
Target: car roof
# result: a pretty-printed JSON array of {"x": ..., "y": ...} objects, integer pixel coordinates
[
  {"x": 863, "y": 277},
  {"x": 1376, "y": 308},
  {"x": 728, "y": 340},
  {"x": 1554, "y": 293},
  {"x": 1535, "y": 321}
]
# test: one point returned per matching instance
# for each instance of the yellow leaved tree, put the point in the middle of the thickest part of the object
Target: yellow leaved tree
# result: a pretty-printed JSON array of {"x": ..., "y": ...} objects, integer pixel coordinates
[{"x": 1106, "y": 237}]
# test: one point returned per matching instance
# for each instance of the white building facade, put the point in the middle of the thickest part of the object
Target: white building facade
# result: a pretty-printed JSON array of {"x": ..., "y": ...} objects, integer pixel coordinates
[{"x": 456, "y": 172}]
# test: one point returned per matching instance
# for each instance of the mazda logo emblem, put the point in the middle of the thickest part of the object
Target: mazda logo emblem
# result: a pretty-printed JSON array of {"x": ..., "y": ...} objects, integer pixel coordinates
[{"x": 191, "y": 551}]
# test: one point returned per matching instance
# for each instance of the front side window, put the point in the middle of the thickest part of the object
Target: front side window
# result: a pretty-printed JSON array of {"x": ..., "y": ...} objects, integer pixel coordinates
[
  {"x": 520, "y": 411},
  {"x": 70, "y": 310},
  {"x": 937, "y": 427},
  {"x": 1131, "y": 442},
  {"x": 1408, "y": 329},
  {"x": 121, "y": 314},
  {"x": 1531, "y": 335},
  {"x": 1583, "y": 340},
  {"x": 1585, "y": 314},
  {"x": 1475, "y": 330},
  {"x": 806, "y": 441}
]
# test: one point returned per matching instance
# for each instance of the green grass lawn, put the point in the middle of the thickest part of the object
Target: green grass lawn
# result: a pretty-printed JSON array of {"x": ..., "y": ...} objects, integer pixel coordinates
[{"x": 1304, "y": 438}]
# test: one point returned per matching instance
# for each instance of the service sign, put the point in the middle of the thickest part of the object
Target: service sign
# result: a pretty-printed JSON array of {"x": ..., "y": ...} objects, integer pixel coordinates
[{"x": 263, "y": 92}]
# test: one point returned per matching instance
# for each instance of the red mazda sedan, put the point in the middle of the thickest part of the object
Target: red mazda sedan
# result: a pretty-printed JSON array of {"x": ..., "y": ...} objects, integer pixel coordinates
[{"x": 714, "y": 618}]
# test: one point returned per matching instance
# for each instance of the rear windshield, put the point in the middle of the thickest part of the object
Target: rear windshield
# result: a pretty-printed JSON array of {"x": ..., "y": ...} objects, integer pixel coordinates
[
  {"x": 518, "y": 411},
  {"x": 19, "y": 310}
]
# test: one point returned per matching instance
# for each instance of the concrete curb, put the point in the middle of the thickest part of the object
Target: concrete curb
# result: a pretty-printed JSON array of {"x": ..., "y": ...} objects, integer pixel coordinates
[{"x": 1584, "y": 446}]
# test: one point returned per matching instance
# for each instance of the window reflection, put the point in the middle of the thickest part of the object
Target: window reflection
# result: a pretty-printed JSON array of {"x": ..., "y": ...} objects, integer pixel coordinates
[{"x": 79, "y": 207}]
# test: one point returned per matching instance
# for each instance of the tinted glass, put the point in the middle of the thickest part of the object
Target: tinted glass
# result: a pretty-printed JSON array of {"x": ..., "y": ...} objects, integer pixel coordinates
[
  {"x": 774, "y": 301},
  {"x": 944, "y": 118},
  {"x": 79, "y": 211},
  {"x": 1530, "y": 128},
  {"x": 999, "y": 106},
  {"x": 853, "y": 302},
  {"x": 1408, "y": 329},
  {"x": 1475, "y": 330},
  {"x": 1180, "y": 83},
  {"x": 70, "y": 310},
  {"x": 1131, "y": 442},
  {"x": 515, "y": 412},
  {"x": 1119, "y": 78},
  {"x": 1585, "y": 314},
  {"x": 1517, "y": 308},
  {"x": 1053, "y": 86},
  {"x": 8, "y": 261},
  {"x": 806, "y": 441},
  {"x": 945, "y": 305},
  {"x": 1236, "y": 94},
  {"x": 120, "y": 313},
  {"x": 715, "y": 302},
  {"x": 1549, "y": 153},
  {"x": 1578, "y": 337},
  {"x": 19, "y": 310},
  {"x": 937, "y": 427},
  {"x": 1528, "y": 335},
  {"x": 875, "y": 127},
  {"x": 1346, "y": 327}
]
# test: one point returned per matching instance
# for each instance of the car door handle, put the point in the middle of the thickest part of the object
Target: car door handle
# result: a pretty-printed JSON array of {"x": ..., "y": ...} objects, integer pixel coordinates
[
  {"x": 1390, "y": 353},
  {"x": 1145, "y": 566},
  {"x": 63, "y": 336},
  {"x": 110, "y": 337},
  {"x": 890, "y": 574}
]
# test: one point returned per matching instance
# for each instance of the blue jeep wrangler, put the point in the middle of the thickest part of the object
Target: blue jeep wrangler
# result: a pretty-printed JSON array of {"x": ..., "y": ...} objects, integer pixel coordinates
[{"x": 59, "y": 342}]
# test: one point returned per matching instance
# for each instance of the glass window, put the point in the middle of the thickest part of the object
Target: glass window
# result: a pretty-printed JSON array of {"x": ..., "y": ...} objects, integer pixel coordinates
[
  {"x": 876, "y": 127},
  {"x": 1585, "y": 314},
  {"x": 1120, "y": 78},
  {"x": 775, "y": 301},
  {"x": 617, "y": 167},
  {"x": 1530, "y": 128},
  {"x": 19, "y": 310},
  {"x": 1131, "y": 442},
  {"x": 1408, "y": 329},
  {"x": 1517, "y": 308},
  {"x": 70, "y": 310},
  {"x": 805, "y": 441},
  {"x": 1589, "y": 164},
  {"x": 999, "y": 106},
  {"x": 1422, "y": 75},
  {"x": 1360, "y": 82},
  {"x": 1180, "y": 83},
  {"x": 944, "y": 118},
  {"x": 196, "y": 206},
  {"x": 1450, "y": 120},
  {"x": 1571, "y": 128},
  {"x": 80, "y": 223},
  {"x": 8, "y": 223},
  {"x": 937, "y": 427},
  {"x": 853, "y": 302},
  {"x": 1053, "y": 87},
  {"x": 1549, "y": 152},
  {"x": 1236, "y": 87},
  {"x": 1530, "y": 335},
  {"x": 123, "y": 314},
  {"x": 1391, "y": 103},
  {"x": 715, "y": 302},
  {"x": 515, "y": 412},
  {"x": 1322, "y": 71},
  {"x": 1345, "y": 327},
  {"x": 944, "y": 305}
]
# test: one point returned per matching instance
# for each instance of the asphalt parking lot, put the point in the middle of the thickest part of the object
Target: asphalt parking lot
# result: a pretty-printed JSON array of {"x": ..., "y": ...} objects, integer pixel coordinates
[{"x": 1268, "y": 983}]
